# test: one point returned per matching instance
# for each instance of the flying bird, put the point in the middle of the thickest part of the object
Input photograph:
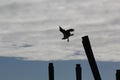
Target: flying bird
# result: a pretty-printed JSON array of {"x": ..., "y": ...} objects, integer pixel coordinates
[{"x": 66, "y": 33}]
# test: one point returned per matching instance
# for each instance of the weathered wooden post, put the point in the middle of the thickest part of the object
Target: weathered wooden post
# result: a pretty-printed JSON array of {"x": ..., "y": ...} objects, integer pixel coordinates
[
  {"x": 90, "y": 56},
  {"x": 117, "y": 74},
  {"x": 78, "y": 72},
  {"x": 51, "y": 71}
]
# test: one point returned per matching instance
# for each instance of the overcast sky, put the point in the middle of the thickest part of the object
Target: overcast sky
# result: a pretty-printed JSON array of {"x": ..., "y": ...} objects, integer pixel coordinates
[{"x": 29, "y": 29}]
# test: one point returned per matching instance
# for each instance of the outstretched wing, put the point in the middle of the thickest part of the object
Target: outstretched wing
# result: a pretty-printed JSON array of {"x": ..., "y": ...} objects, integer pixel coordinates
[
  {"x": 70, "y": 30},
  {"x": 61, "y": 30}
]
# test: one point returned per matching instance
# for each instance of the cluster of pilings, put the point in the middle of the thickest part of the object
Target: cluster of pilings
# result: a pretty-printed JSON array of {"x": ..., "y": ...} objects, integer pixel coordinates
[
  {"x": 77, "y": 69},
  {"x": 91, "y": 60}
]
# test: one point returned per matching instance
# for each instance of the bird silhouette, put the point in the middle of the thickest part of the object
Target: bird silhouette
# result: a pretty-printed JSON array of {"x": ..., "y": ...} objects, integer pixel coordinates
[{"x": 66, "y": 33}]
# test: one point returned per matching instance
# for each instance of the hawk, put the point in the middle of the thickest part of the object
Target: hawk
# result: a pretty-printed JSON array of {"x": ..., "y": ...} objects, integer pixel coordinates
[{"x": 66, "y": 33}]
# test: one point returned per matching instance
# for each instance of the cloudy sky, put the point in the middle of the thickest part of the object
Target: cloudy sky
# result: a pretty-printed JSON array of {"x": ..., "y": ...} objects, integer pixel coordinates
[{"x": 29, "y": 29}]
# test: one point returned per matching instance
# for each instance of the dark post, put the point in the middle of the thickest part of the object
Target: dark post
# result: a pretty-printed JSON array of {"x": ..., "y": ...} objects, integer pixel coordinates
[
  {"x": 51, "y": 71},
  {"x": 90, "y": 56},
  {"x": 78, "y": 72},
  {"x": 117, "y": 74}
]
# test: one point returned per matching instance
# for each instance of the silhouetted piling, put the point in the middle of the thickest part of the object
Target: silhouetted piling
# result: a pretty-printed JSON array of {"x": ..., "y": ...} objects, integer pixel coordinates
[
  {"x": 117, "y": 74},
  {"x": 90, "y": 56},
  {"x": 78, "y": 72},
  {"x": 51, "y": 71}
]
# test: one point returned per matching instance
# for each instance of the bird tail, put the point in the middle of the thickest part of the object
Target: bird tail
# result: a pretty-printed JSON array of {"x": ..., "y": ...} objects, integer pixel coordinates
[{"x": 71, "y": 34}]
